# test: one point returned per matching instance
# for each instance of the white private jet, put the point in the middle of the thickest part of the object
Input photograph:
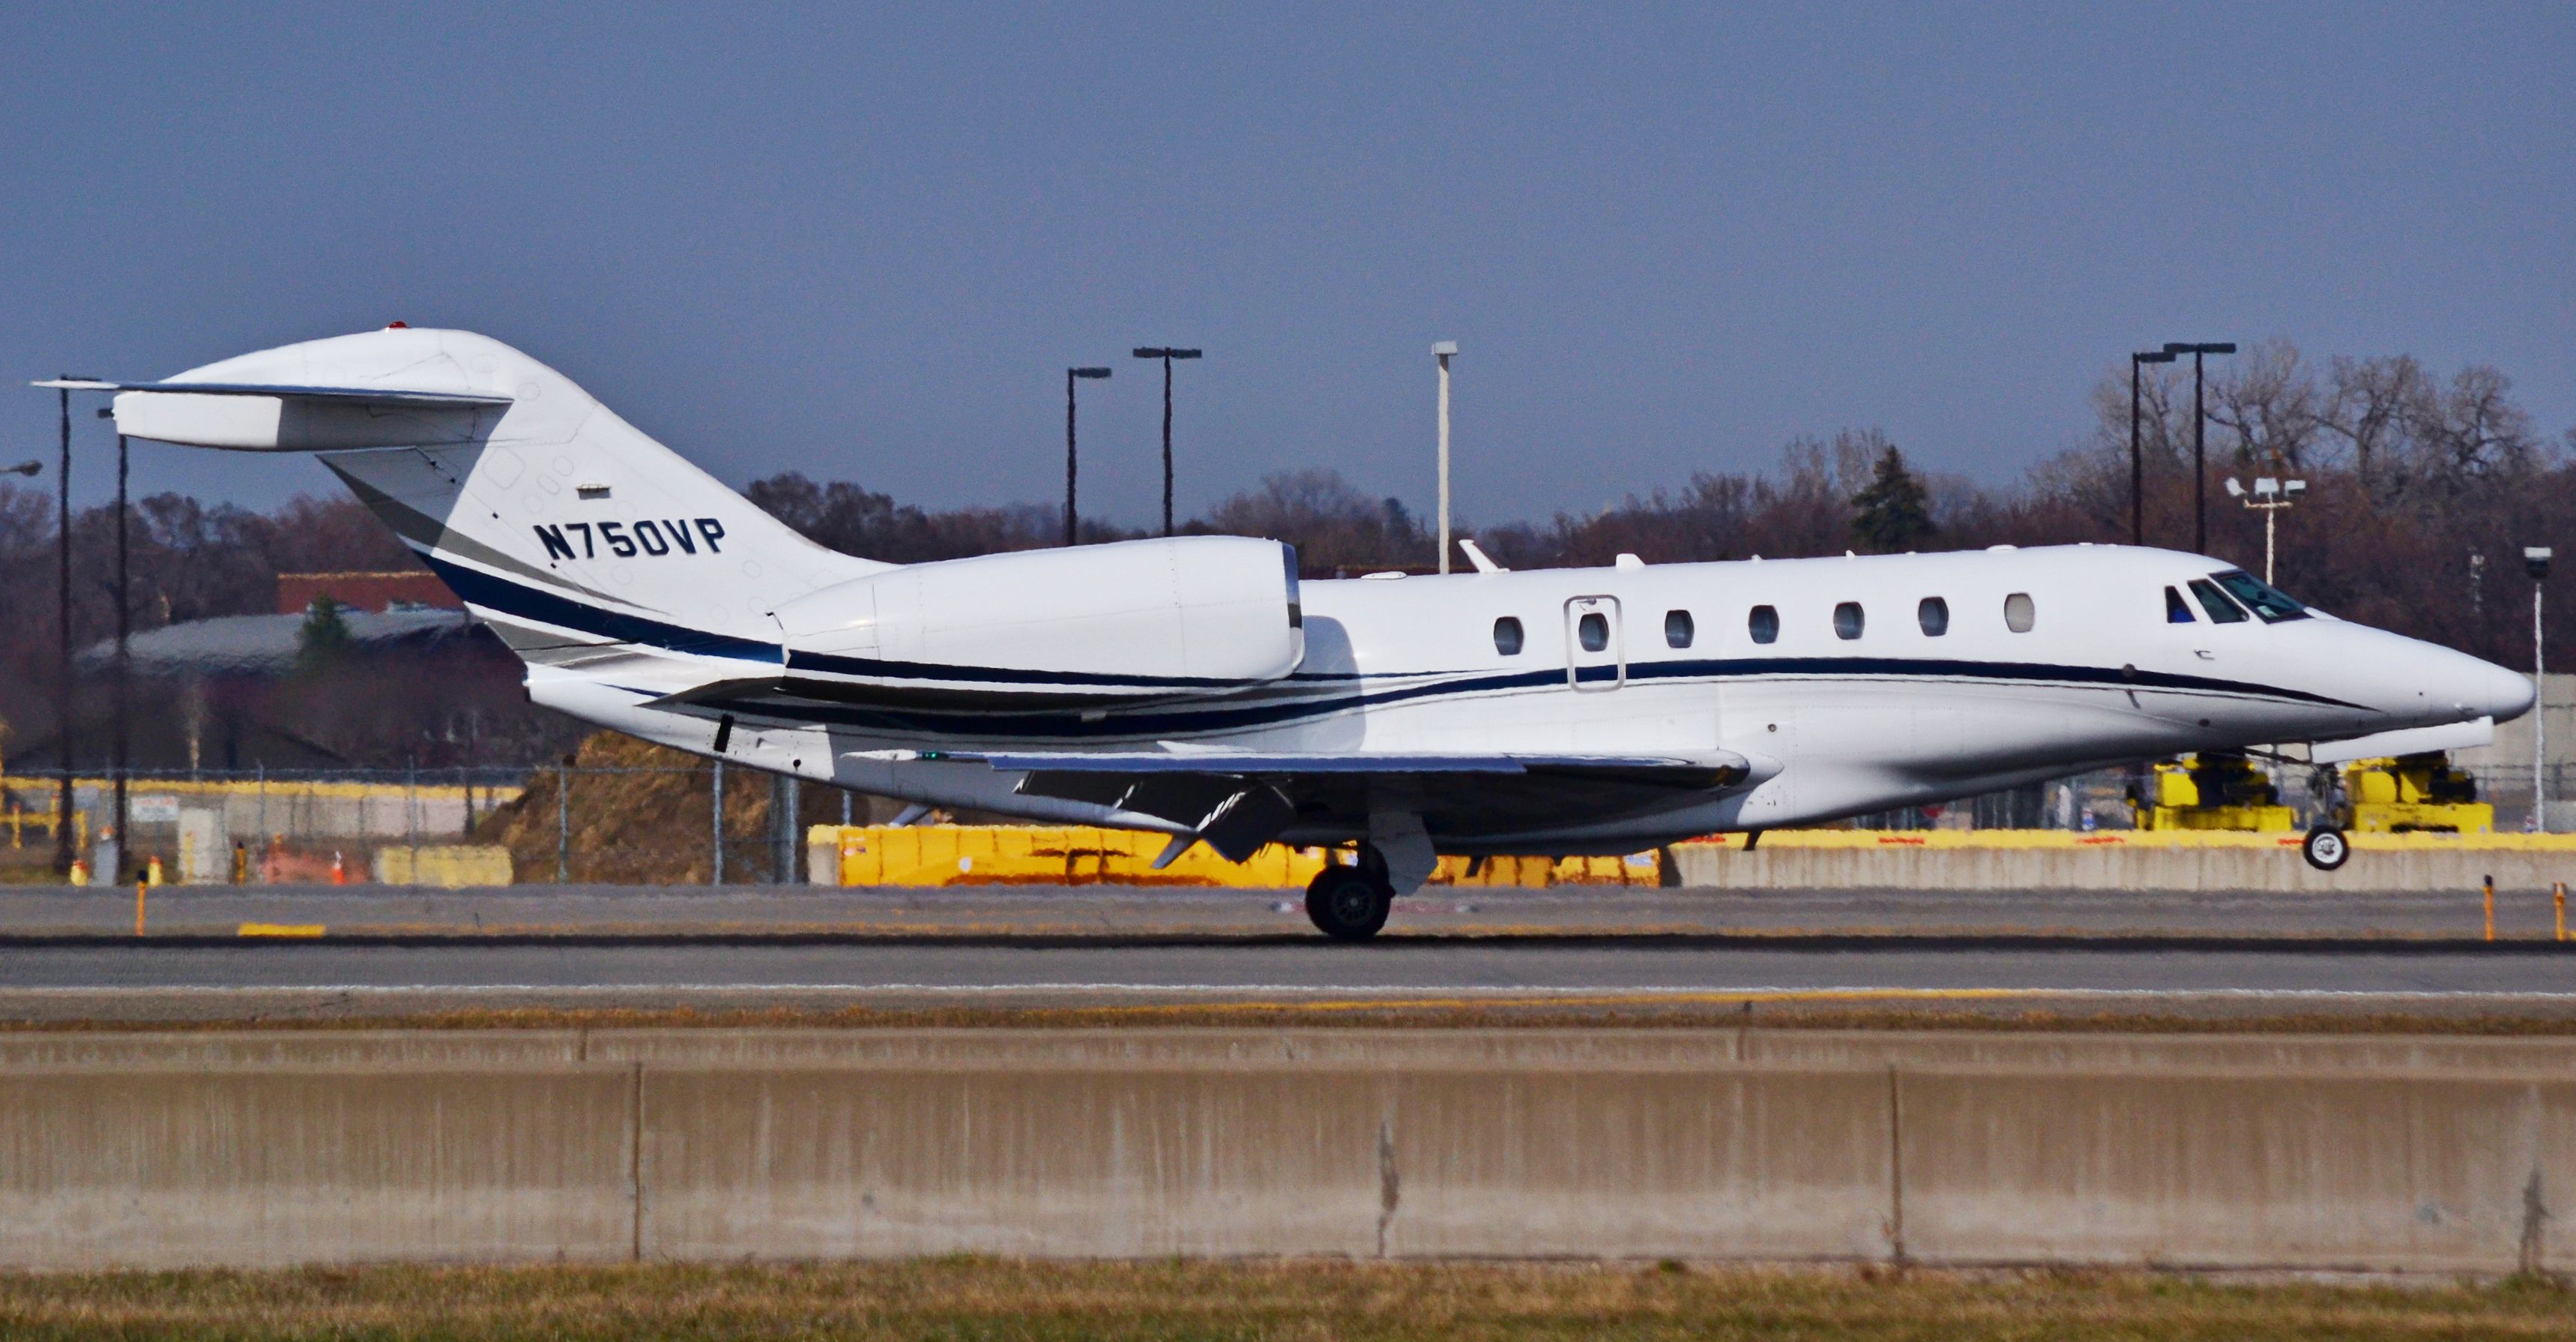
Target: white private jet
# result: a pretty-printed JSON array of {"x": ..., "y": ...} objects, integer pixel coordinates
[{"x": 1194, "y": 686}]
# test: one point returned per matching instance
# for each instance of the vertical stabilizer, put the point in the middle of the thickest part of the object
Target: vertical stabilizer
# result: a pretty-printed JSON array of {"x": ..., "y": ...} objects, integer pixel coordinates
[{"x": 573, "y": 533}]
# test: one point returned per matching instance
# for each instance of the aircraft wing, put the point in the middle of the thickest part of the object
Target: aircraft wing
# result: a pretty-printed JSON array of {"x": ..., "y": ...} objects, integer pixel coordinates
[{"x": 1236, "y": 801}]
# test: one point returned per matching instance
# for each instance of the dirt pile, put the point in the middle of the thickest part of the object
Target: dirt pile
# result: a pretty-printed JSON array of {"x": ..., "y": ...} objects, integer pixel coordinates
[{"x": 639, "y": 814}]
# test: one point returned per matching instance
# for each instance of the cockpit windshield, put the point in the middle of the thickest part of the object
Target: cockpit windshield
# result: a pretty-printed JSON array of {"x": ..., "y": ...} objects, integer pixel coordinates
[{"x": 2265, "y": 601}]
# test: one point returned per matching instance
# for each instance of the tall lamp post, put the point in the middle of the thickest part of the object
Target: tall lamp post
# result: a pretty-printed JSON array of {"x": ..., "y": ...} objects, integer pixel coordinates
[
  {"x": 2137, "y": 466},
  {"x": 2199, "y": 433},
  {"x": 124, "y": 668},
  {"x": 1166, "y": 353},
  {"x": 2535, "y": 561},
  {"x": 1444, "y": 350},
  {"x": 1070, "y": 375},
  {"x": 63, "y": 387}
]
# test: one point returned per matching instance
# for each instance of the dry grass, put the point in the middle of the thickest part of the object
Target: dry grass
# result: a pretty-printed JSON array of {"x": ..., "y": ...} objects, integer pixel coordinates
[{"x": 986, "y": 1298}]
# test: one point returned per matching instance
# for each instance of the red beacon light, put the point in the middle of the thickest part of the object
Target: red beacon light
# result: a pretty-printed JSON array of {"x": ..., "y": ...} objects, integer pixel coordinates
[{"x": 397, "y": 326}]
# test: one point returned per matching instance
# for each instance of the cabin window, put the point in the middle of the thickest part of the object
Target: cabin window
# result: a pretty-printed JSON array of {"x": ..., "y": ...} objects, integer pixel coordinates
[
  {"x": 1677, "y": 628},
  {"x": 1507, "y": 636},
  {"x": 2221, "y": 610},
  {"x": 1934, "y": 615},
  {"x": 1847, "y": 620},
  {"x": 2269, "y": 603},
  {"x": 1593, "y": 631},
  {"x": 2019, "y": 614},
  {"x": 1763, "y": 624},
  {"x": 2176, "y": 611}
]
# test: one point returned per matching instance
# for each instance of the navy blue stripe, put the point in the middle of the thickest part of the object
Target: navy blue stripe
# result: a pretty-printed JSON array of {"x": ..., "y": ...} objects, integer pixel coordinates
[{"x": 482, "y": 589}]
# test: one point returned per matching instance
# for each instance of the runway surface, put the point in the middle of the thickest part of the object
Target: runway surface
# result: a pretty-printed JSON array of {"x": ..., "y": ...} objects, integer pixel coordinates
[
  {"x": 73, "y": 953},
  {"x": 910, "y": 969},
  {"x": 30, "y": 911}
]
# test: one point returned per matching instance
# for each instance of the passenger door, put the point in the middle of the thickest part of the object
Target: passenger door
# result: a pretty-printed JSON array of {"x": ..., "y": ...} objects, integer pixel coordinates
[{"x": 1595, "y": 651}]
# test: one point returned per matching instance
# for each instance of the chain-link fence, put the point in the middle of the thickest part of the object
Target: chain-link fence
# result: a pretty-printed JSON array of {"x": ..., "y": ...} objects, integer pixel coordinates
[
  {"x": 642, "y": 824},
  {"x": 694, "y": 822}
]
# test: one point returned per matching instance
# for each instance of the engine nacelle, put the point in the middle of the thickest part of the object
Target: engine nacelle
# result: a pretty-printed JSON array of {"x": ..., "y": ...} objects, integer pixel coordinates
[{"x": 1136, "y": 619}]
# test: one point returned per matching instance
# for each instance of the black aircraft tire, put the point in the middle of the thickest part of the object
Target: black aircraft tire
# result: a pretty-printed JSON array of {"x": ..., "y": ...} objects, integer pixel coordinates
[
  {"x": 2326, "y": 848},
  {"x": 1346, "y": 905}
]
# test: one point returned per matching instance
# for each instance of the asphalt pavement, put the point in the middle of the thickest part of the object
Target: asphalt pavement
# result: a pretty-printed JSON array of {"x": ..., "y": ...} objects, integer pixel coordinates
[{"x": 74, "y": 953}]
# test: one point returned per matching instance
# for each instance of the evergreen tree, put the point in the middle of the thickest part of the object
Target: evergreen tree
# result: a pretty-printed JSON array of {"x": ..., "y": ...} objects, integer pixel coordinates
[
  {"x": 1893, "y": 514},
  {"x": 323, "y": 639}
]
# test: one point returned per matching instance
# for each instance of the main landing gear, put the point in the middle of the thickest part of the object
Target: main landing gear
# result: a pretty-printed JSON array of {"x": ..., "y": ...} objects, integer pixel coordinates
[
  {"x": 1350, "y": 903},
  {"x": 2326, "y": 848}
]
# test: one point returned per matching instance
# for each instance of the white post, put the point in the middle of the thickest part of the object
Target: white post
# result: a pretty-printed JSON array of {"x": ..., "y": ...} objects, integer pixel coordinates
[
  {"x": 2268, "y": 514},
  {"x": 2539, "y": 723},
  {"x": 1443, "y": 350}
]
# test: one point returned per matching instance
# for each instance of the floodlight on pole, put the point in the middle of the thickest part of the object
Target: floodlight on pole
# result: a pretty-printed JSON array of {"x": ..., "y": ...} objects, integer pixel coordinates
[
  {"x": 1166, "y": 353},
  {"x": 31, "y": 469},
  {"x": 2269, "y": 496},
  {"x": 1444, "y": 350},
  {"x": 2137, "y": 466},
  {"x": 2199, "y": 435}
]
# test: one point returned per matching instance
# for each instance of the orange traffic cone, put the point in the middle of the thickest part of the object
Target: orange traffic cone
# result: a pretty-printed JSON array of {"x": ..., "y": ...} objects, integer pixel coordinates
[{"x": 339, "y": 870}]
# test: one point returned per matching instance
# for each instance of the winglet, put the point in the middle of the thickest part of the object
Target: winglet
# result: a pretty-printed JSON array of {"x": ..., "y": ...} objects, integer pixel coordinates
[{"x": 1478, "y": 557}]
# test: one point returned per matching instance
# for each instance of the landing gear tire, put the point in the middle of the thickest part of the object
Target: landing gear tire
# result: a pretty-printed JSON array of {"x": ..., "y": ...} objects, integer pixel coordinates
[
  {"x": 2326, "y": 848},
  {"x": 1347, "y": 904}
]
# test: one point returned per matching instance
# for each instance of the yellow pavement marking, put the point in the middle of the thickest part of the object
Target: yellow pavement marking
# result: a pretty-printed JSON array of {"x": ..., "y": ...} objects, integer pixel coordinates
[{"x": 281, "y": 929}]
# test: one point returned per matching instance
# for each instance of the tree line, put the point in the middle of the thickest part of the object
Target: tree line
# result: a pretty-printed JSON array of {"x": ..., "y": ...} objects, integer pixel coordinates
[{"x": 2423, "y": 488}]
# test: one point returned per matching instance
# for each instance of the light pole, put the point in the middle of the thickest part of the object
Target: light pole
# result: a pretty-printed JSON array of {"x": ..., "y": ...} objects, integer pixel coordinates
[
  {"x": 1166, "y": 353},
  {"x": 1444, "y": 350},
  {"x": 1069, "y": 375},
  {"x": 124, "y": 668},
  {"x": 2270, "y": 496},
  {"x": 2137, "y": 467},
  {"x": 2535, "y": 561},
  {"x": 63, "y": 387},
  {"x": 2199, "y": 432}
]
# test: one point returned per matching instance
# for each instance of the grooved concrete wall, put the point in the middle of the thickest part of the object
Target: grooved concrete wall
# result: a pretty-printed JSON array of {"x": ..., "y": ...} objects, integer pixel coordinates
[
  {"x": 2112, "y": 868},
  {"x": 2291, "y": 1152}
]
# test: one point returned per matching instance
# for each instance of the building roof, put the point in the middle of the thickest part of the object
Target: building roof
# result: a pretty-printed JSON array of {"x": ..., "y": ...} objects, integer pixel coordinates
[{"x": 266, "y": 645}]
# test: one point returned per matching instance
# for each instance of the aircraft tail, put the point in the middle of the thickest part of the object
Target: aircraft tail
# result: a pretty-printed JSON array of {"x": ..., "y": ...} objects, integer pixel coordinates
[{"x": 575, "y": 535}]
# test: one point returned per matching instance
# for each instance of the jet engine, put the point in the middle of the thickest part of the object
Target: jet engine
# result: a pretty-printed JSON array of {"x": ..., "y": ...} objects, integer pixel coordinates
[{"x": 1180, "y": 616}]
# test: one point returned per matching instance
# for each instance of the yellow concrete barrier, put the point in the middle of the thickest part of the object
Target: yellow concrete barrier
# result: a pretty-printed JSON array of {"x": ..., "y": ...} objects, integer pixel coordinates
[
  {"x": 448, "y": 865},
  {"x": 940, "y": 855}
]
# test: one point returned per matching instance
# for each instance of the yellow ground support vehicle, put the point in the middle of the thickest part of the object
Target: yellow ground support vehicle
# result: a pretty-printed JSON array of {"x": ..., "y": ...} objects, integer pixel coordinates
[
  {"x": 2414, "y": 794},
  {"x": 2214, "y": 790}
]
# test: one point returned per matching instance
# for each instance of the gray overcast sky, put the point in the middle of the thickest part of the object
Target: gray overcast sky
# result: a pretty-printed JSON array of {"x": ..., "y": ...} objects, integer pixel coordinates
[{"x": 866, "y": 244}]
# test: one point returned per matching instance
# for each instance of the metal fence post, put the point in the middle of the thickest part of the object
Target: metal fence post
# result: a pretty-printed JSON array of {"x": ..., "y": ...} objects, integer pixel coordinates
[
  {"x": 563, "y": 823},
  {"x": 784, "y": 814}
]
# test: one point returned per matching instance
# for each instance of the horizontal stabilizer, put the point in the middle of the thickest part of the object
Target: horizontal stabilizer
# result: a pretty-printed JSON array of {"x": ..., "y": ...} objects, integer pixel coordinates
[
  {"x": 386, "y": 395},
  {"x": 280, "y": 417}
]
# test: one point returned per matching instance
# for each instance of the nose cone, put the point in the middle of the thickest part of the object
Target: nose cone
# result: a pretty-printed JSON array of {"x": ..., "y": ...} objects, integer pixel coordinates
[{"x": 2505, "y": 694}]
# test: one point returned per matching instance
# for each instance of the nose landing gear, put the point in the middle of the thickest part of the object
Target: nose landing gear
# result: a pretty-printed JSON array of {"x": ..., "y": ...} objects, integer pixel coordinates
[{"x": 2326, "y": 848}]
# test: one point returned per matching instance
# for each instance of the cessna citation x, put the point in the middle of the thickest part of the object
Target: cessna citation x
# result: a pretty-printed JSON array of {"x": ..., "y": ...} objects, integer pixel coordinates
[{"x": 1195, "y": 687}]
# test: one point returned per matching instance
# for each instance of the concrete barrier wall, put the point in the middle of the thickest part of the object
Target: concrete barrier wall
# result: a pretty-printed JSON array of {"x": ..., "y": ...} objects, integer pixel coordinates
[
  {"x": 2121, "y": 868},
  {"x": 2310, "y": 1152}
]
